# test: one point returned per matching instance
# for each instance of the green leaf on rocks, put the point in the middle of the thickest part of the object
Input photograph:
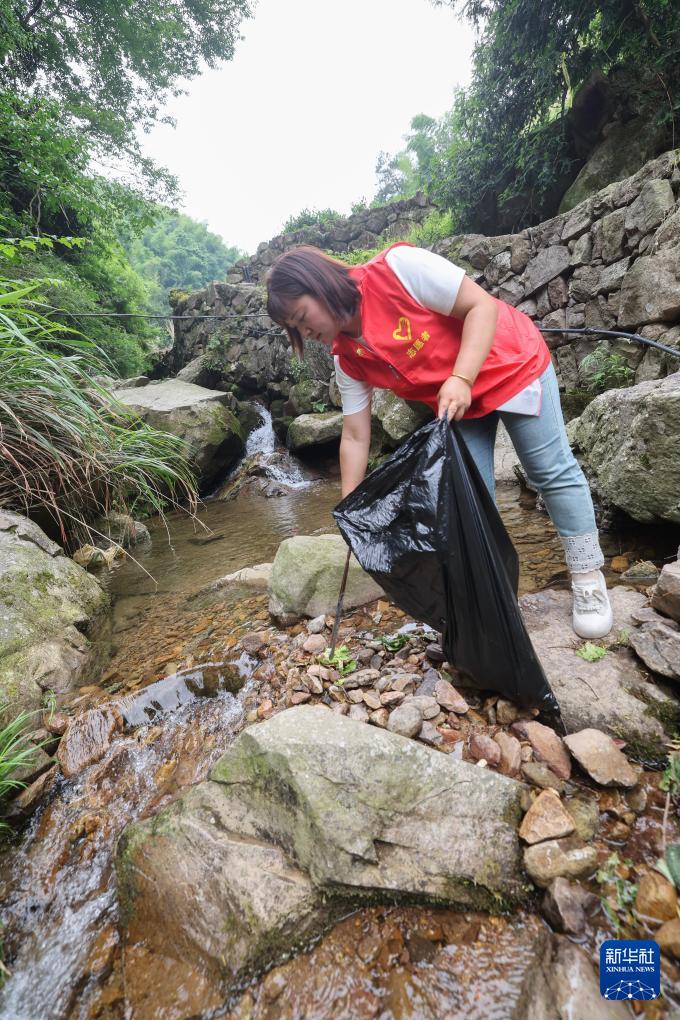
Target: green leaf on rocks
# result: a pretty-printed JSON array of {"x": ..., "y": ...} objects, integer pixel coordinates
[
  {"x": 396, "y": 643},
  {"x": 591, "y": 652},
  {"x": 340, "y": 660},
  {"x": 672, "y": 862}
]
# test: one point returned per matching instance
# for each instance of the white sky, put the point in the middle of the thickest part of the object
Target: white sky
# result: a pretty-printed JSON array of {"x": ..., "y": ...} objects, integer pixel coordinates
[{"x": 297, "y": 119}]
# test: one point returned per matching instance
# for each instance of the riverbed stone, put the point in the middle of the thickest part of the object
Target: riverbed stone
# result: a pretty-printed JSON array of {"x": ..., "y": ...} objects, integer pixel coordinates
[
  {"x": 559, "y": 858},
  {"x": 540, "y": 775},
  {"x": 406, "y": 720},
  {"x": 199, "y": 417},
  {"x": 305, "y": 813},
  {"x": 314, "y": 430},
  {"x": 656, "y": 898},
  {"x": 546, "y": 745},
  {"x": 614, "y": 694},
  {"x": 306, "y": 577},
  {"x": 545, "y": 819},
  {"x": 87, "y": 739},
  {"x": 48, "y": 604},
  {"x": 658, "y": 645},
  {"x": 668, "y": 937},
  {"x": 598, "y": 755},
  {"x": 627, "y": 439},
  {"x": 666, "y": 594},
  {"x": 565, "y": 906},
  {"x": 511, "y": 753}
]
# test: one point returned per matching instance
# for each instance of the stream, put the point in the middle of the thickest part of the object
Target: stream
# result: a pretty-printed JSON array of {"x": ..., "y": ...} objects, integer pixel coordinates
[{"x": 61, "y": 941}]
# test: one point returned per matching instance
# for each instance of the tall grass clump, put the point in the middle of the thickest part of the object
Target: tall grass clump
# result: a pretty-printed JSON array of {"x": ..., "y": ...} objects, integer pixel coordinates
[
  {"x": 16, "y": 752},
  {"x": 68, "y": 449}
]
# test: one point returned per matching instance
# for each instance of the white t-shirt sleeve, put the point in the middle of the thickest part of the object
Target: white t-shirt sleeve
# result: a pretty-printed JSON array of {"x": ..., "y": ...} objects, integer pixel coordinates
[
  {"x": 355, "y": 394},
  {"x": 431, "y": 280}
]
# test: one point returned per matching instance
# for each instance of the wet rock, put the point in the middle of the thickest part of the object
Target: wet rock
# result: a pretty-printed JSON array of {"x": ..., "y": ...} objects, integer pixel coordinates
[
  {"x": 39, "y": 762},
  {"x": 566, "y": 905},
  {"x": 585, "y": 816},
  {"x": 614, "y": 694},
  {"x": 306, "y": 577},
  {"x": 46, "y": 601},
  {"x": 598, "y": 755},
  {"x": 256, "y": 577},
  {"x": 656, "y": 898},
  {"x": 361, "y": 811},
  {"x": 668, "y": 937},
  {"x": 86, "y": 739},
  {"x": 563, "y": 858},
  {"x": 506, "y": 712},
  {"x": 359, "y": 713},
  {"x": 641, "y": 572},
  {"x": 511, "y": 754},
  {"x": 546, "y": 819},
  {"x": 56, "y": 723},
  {"x": 548, "y": 748},
  {"x": 666, "y": 595},
  {"x": 253, "y": 642},
  {"x": 405, "y": 720},
  {"x": 313, "y": 430},
  {"x": 29, "y": 799},
  {"x": 540, "y": 775},
  {"x": 449, "y": 698},
  {"x": 566, "y": 987},
  {"x": 658, "y": 645},
  {"x": 314, "y": 644},
  {"x": 121, "y": 529},
  {"x": 485, "y": 748}
]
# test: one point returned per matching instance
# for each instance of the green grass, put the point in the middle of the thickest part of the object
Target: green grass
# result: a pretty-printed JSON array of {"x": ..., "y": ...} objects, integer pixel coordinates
[
  {"x": 16, "y": 752},
  {"x": 68, "y": 448}
]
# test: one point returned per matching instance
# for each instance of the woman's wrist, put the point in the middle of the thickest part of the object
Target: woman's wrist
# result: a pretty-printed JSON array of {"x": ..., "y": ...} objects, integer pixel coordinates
[{"x": 459, "y": 375}]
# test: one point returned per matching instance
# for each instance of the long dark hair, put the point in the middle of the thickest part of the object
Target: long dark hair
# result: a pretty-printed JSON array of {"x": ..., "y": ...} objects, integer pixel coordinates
[{"x": 307, "y": 270}]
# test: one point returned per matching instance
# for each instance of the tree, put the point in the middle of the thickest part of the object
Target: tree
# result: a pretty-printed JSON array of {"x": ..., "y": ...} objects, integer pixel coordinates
[{"x": 512, "y": 135}]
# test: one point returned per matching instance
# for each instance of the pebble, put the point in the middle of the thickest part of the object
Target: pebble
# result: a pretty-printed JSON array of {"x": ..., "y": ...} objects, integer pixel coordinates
[
  {"x": 356, "y": 697},
  {"x": 372, "y": 700},
  {"x": 316, "y": 625},
  {"x": 656, "y": 898},
  {"x": 265, "y": 709},
  {"x": 315, "y": 644},
  {"x": 566, "y": 905},
  {"x": 563, "y": 858},
  {"x": 251, "y": 643},
  {"x": 299, "y": 697},
  {"x": 429, "y": 707},
  {"x": 598, "y": 755},
  {"x": 547, "y": 746},
  {"x": 511, "y": 754},
  {"x": 430, "y": 734},
  {"x": 506, "y": 712},
  {"x": 337, "y": 694},
  {"x": 619, "y": 564},
  {"x": 405, "y": 720},
  {"x": 55, "y": 723},
  {"x": 379, "y": 717},
  {"x": 340, "y": 709},
  {"x": 405, "y": 684},
  {"x": 546, "y": 819},
  {"x": 449, "y": 698},
  {"x": 391, "y": 698},
  {"x": 540, "y": 775},
  {"x": 428, "y": 684},
  {"x": 359, "y": 713},
  {"x": 383, "y": 684},
  {"x": 315, "y": 685},
  {"x": 362, "y": 678},
  {"x": 484, "y": 747}
]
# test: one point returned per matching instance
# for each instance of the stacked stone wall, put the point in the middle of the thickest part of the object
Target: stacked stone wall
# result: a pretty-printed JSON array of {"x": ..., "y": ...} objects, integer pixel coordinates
[{"x": 612, "y": 262}]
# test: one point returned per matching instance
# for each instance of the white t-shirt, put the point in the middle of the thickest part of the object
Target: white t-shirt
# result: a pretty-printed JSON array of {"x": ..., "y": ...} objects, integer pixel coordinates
[{"x": 434, "y": 283}]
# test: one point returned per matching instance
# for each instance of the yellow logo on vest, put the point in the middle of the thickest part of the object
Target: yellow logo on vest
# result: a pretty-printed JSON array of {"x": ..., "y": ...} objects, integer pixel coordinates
[
  {"x": 360, "y": 352},
  {"x": 403, "y": 330}
]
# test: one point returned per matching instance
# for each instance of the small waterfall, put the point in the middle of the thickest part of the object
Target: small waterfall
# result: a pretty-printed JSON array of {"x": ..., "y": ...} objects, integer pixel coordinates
[{"x": 274, "y": 459}]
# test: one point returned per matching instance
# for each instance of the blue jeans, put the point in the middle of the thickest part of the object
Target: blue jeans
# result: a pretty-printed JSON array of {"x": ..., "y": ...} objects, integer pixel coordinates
[{"x": 543, "y": 449}]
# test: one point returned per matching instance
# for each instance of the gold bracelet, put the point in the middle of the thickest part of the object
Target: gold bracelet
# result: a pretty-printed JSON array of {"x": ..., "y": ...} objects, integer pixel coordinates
[{"x": 457, "y": 375}]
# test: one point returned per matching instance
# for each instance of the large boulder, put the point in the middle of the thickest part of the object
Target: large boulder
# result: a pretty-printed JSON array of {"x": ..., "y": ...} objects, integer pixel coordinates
[
  {"x": 305, "y": 816},
  {"x": 397, "y": 417},
  {"x": 47, "y": 605},
  {"x": 651, "y": 290},
  {"x": 314, "y": 430},
  {"x": 613, "y": 694},
  {"x": 306, "y": 577},
  {"x": 210, "y": 430},
  {"x": 627, "y": 440}
]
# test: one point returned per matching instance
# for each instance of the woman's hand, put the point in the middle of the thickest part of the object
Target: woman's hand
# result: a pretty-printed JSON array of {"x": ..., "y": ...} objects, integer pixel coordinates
[{"x": 454, "y": 398}]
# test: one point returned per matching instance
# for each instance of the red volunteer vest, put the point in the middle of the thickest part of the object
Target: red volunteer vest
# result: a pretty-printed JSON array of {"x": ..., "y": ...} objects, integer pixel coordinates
[{"x": 412, "y": 350}]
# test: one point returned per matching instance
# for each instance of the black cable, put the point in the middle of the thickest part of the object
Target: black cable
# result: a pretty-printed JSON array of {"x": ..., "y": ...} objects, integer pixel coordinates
[{"x": 591, "y": 331}]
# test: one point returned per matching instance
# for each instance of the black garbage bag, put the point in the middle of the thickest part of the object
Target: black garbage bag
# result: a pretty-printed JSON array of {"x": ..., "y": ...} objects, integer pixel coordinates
[{"x": 425, "y": 527}]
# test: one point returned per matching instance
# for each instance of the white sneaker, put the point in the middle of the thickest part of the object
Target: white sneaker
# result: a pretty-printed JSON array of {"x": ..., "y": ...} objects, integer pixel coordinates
[{"x": 592, "y": 616}]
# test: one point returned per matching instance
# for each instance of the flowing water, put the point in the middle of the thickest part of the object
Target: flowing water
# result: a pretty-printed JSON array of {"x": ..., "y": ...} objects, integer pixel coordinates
[{"x": 171, "y": 672}]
